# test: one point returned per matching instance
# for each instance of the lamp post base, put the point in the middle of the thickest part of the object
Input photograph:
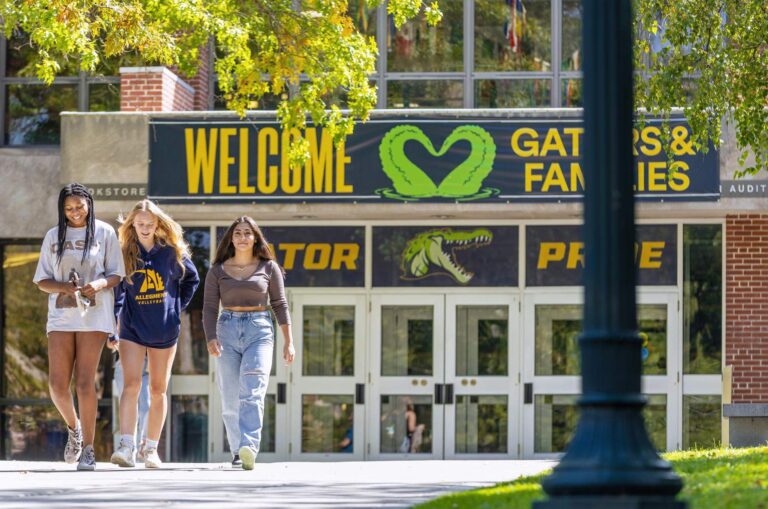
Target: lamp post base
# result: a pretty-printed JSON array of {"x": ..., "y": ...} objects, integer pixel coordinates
[{"x": 610, "y": 502}]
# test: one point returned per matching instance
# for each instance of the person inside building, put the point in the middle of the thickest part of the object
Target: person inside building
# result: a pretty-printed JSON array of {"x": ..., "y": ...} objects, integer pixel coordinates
[
  {"x": 161, "y": 280},
  {"x": 79, "y": 260},
  {"x": 246, "y": 280}
]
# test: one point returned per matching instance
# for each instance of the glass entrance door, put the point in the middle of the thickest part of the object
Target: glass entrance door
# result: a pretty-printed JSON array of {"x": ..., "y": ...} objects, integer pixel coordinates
[
  {"x": 186, "y": 434},
  {"x": 328, "y": 391},
  {"x": 482, "y": 359},
  {"x": 406, "y": 390},
  {"x": 551, "y": 369}
]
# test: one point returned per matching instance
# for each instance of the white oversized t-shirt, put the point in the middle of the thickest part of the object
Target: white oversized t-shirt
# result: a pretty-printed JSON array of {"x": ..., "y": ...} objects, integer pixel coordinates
[{"x": 104, "y": 259}]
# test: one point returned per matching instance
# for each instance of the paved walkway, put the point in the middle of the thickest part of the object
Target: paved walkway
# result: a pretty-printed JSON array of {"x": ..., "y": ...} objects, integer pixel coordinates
[{"x": 275, "y": 485}]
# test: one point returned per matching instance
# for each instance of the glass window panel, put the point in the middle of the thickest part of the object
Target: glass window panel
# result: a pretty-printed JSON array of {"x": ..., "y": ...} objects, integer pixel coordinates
[
  {"x": 513, "y": 35},
  {"x": 557, "y": 327},
  {"x": 418, "y": 47},
  {"x": 655, "y": 416},
  {"x": 406, "y": 340},
  {"x": 425, "y": 94},
  {"x": 512, "y": 93},
  {"x": 555, "y": 418},
  {"x": 571, "y": 93},
  {"x": 481, "y": 424},
  {"x": 37, "y": 432},
  {"x": 328, "y": 341},
  {"x": 337, "y": 97},
  {"x": 104, "y": 97},
  {"x": 363, "y": 16},
  {"x": 192, "y": 354},
  {"x": 32, "y": 113},
  {"x": 269, "y": 429},
  {"x": 25, "y": 313},
  {"x": 22, "y": 57},
  {"x": 110, "y": 66},
  {"x": 267, "y": 102},
  {"x": 395, "y": 435},
  {"x": 482, "y": 339},
  {"x": 572, "y": 12},
  {"x": 652, "y": 324},
  {"x": 702, "y": 421},
  {"x": 327, "y": 423},
  {"x": 702, "y": 298},
  {"x": 189, "y": 429}
]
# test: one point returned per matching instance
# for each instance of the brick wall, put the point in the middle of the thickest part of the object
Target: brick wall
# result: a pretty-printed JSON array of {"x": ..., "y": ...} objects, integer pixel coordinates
[
  {"x": 200, "y": 81},
  {"x": 746, "y": 302},
  {"x": 154, "y": 89}
]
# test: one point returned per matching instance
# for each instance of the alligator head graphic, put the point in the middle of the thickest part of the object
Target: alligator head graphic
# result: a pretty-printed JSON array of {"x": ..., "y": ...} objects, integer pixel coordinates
[{"x": 433, "y": 252}]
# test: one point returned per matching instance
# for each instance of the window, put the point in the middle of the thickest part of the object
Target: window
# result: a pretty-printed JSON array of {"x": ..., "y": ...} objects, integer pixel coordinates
[
  {"x": 34, "y": 428},
  {"x": 702, "y": 298},
  {"x": 30, "y": 110}
]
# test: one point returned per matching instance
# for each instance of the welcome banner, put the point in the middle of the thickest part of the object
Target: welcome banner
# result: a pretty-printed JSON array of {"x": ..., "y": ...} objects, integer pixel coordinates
[{"x": 410, "y": 159}]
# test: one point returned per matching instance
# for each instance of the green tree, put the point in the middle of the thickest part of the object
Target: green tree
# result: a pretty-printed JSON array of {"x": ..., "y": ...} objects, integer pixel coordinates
[
  {"x": 280, "y": 40},
  {"x": 707, "y": 57},
  {"x": 711, "y": 58}
]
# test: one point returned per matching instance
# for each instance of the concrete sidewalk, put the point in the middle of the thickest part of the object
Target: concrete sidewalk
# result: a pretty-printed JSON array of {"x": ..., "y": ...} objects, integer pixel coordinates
[{"x": 275, "y": 485}]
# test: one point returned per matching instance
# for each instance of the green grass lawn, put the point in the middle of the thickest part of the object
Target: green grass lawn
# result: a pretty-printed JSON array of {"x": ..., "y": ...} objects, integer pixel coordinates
[{"x": 714, "y": 479}]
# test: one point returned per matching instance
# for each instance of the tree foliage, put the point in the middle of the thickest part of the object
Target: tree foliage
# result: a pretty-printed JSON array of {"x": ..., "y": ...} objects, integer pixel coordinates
[
  {"x": 708, "y": 57},
  {"x": 711, "y": 58},
  {"x": 263, "y": 47}
]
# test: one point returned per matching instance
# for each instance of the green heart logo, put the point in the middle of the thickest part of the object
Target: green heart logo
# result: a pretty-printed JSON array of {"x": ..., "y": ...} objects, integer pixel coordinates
[{"x": 411, "y": 182}]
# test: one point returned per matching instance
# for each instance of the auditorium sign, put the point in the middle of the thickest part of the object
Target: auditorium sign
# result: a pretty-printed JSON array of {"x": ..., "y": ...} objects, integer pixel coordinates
[{"x": 410, "y": 160}]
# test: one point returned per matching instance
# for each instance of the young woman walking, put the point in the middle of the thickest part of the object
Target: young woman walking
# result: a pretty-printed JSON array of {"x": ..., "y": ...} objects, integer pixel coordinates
[
  {"x": 161, "y": 280},
  {"x": 246, "y": 280},
  {"x": 80, "y": 261}
]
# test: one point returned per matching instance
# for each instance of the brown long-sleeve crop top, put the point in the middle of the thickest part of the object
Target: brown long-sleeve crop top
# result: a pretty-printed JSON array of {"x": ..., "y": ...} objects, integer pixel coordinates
[{"x": 264, "y": 287}]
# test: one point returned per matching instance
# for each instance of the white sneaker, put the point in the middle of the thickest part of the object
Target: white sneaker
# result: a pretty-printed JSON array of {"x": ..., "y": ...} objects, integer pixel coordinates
[
  {"x": 151, "y": 458},
  {"x": 123, "y": 456},
  {"x": 248, "y": 457}
]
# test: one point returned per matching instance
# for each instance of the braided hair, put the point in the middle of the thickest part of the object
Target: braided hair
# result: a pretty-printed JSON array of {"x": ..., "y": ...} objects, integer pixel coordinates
[{"x": 80, "y": 190}]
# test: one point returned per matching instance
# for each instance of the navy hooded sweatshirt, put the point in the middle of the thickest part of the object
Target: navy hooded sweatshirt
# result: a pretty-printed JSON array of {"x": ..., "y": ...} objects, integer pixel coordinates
[{"x": 150, "y": 308}]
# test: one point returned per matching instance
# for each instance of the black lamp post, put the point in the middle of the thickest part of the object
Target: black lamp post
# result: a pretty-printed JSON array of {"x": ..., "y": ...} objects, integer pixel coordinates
[{"x": 611, "y": 462}]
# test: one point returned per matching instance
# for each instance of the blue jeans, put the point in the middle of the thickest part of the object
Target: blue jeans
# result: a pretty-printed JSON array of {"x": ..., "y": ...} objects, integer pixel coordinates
[
  {"x": 247, "y": 339},
  {"x": 143, "y": 410}
]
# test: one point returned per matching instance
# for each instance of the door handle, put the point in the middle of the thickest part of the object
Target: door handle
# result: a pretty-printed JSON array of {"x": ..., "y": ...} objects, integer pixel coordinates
[
  {"x": 449, "y": 394},
  {"x": 528, "y": 393},
  {"x": 359, "y": 394},
  {"x": 438, "y": 394},
  {"x": 281, "y": 387}
]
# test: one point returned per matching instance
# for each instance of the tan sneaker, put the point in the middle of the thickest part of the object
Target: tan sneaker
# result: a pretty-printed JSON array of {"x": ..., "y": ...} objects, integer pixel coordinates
[{"x": 151, "y": 458}]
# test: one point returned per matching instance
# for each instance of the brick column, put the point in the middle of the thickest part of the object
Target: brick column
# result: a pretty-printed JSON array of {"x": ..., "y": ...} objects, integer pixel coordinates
[
  {"x": 200, "y": 82},
  {"x": 154, "y": 89},
  {"x": 746, "y": 301}
]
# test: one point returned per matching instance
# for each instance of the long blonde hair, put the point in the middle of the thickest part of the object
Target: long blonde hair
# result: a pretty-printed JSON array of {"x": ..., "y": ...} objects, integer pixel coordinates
[{"x": 168, "y": 233}]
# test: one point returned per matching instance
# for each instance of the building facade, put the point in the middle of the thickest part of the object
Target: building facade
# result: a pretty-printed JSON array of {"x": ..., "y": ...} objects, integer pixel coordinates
[{"x": 459, "y": 302}]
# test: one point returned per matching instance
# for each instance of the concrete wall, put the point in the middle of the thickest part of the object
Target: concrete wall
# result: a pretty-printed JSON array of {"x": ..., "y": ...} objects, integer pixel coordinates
[{"x": 29, "y": 190}]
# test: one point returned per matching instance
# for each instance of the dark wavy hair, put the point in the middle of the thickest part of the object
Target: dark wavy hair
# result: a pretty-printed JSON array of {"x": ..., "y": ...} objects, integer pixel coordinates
[
  {"x": 80, "y": 190},
  {"x": 226, "y": 249}
]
